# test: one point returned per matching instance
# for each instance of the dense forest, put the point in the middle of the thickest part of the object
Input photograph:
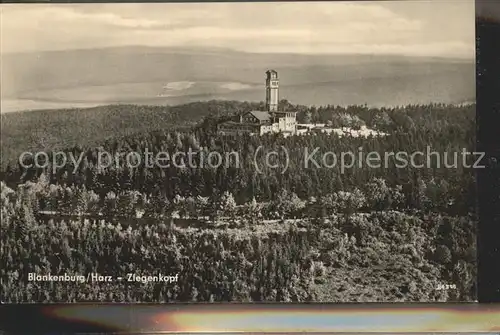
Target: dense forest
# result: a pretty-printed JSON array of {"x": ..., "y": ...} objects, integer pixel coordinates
[{"x": 234, "y": 233}]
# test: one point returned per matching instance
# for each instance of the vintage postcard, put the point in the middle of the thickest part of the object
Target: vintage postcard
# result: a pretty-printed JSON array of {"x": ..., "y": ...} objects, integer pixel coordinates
[{"x": 238, "y": 152}]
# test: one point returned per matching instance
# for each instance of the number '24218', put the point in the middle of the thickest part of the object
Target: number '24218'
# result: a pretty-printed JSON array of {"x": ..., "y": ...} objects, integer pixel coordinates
[{"x": 446, "y": 287}]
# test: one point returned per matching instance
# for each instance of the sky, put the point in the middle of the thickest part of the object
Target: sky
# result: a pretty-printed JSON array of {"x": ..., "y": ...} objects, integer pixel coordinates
[{"x": 442, "y": 28}]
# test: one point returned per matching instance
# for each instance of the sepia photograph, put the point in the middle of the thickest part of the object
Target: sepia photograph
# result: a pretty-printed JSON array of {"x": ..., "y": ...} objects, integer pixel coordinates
[{"x": 238, "y": 152}]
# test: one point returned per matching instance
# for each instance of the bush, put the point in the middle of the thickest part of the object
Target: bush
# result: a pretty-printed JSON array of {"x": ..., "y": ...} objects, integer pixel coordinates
[{"x": 442, "y": 255}]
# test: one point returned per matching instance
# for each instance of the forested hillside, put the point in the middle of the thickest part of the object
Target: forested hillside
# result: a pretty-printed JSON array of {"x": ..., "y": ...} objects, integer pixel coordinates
[
  {"x": 304, "y": 234},
  {"x": 65, "y": 128}
]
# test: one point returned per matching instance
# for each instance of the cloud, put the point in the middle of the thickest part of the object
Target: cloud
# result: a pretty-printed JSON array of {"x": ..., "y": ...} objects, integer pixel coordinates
[
  {"x": 66, "y": 15},
  {"x": 313, "y": 27},
  {"x": 109, "y": 19}
]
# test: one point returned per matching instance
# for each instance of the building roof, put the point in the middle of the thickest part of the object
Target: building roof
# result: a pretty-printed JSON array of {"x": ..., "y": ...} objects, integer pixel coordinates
[
  {"x": 260, "y": 115},
  {"x": 271, "y": 71},
  {"x": 283, "y": 112}
]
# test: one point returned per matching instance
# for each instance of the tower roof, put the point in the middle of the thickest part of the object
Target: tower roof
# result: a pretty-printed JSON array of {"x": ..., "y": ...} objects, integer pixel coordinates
[{"x": 271, "y": 71}]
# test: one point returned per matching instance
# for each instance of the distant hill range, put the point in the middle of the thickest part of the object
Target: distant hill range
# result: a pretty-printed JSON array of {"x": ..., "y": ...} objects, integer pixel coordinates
[{"x": 160, "y": 76}]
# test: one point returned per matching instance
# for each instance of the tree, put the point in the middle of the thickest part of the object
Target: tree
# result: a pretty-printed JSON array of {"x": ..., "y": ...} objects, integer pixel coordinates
[
  {"x": 443, "y": 254},
  {"x": 81, "y": 201},
  {"x": 202, "y": 205},
  {"x": 382, "y": 121},
  {"x": 352, "y": 201},
  {"x": 7, "y": 194},
  {"x": 252, "y": 210},
  {"x": 190, "y": 207},
  {"x": 110, "y": 205},
  {"x": 340, "y": 120},
  {"x": 308, "y": 117},
  {"x": 377, "y": 193},
  {"x": 227, "y": 204},
  {"x": 179, "y": 205},
  {"x": 288, "y": 204},
  {"x": 126, "y": 203},
  {"x": 343, "y": 201}
]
